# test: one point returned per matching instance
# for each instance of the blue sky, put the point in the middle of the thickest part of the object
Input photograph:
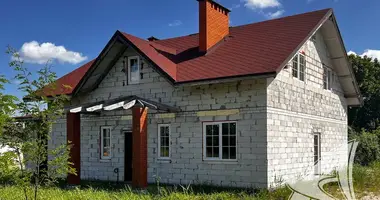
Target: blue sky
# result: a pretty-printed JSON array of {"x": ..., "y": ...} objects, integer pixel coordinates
[{"x": 78, "y": 30}]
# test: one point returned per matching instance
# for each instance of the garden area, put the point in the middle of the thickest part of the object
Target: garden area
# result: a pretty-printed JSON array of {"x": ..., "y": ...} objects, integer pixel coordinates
[{"x": 366, "y": 186}]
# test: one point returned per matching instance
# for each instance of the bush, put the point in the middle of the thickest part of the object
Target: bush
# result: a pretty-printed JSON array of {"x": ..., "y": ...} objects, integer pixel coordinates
[
  {"x": 8, "y": 167},
  {"x": 368, "y": 149}
]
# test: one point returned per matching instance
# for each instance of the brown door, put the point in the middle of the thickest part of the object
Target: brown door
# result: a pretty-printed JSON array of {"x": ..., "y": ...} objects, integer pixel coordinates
[{"x": 128, "y": 156}]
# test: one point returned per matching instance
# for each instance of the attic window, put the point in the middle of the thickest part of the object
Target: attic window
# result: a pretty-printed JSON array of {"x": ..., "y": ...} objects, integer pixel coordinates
[
  {"x": 133, "y": 70},
  {"x": 299, "y": 65},
  {"x": 328, "y": 78}
]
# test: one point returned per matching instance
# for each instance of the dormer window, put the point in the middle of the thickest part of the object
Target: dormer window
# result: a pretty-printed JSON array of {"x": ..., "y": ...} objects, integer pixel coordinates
[
  {"x": 299, "y": 64},
  {"x": 133, "y": 70}
]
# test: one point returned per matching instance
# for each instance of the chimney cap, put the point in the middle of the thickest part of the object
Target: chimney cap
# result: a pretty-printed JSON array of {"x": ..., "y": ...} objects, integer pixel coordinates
[
  {"x": 218, "y": 4},
  {"x": 152, "y": 38}
]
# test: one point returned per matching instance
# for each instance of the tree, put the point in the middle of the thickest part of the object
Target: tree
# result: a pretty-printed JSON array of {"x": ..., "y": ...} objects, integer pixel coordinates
[
  {"x": 31, "y": 136},
  {"x": 367, "y": 73}
]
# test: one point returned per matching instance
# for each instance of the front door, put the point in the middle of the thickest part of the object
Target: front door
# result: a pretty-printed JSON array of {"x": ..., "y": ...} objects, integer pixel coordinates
[{"x": 128, "y": 156}]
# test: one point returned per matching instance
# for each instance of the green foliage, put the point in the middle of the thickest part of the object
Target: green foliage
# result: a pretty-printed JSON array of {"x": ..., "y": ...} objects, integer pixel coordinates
[
  {"x": 31, "y": 136},
  {"x": 367, "y": 73},
  {"x": 368, "y": 149}
]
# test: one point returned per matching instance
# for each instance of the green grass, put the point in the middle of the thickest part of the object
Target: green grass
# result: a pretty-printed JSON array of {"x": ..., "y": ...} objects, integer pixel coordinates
[
  {"x": 366, "y": 180},
  {"x": 14, "y": 193}
]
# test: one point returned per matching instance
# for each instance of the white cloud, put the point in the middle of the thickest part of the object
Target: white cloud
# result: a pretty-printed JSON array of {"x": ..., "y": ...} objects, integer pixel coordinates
[
  {"x": 33, "y": 52},
  {"x": 372, "y": 53},
  {"x": 176, "y": 23},
  {"x": 261, "y": 4},
  {"x": 276, "y": 14},
  {"x": 235, "y": 6},
  {"x": 351, "y": 52}
]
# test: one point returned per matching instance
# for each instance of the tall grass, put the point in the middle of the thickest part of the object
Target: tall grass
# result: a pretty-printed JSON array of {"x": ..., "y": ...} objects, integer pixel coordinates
[{"x": 366, "y": 180}]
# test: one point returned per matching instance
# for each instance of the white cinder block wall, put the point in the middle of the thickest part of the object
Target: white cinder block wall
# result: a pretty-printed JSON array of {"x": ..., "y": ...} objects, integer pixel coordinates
[
  {"x": 275, "y": 121},
  {"x": 297, "y": 110}
]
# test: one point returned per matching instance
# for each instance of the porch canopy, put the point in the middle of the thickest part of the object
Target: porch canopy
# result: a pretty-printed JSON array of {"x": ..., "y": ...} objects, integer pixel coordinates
[
  {"x": 125, "y": 102},
  {"x": 139, "y": 108}
]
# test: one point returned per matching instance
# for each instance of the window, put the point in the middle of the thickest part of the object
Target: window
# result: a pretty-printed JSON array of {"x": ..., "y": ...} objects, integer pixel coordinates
[
  {"x": 317, "y": 153},
  {"x": 299, "y": 64},
  {"x": 328, "y": 78},
  {"x": 105, "y": 143},
  {"x": 133, "y": 70},
  {"x": 219, "y": 141},
  {"x": 163, "y": 141}
]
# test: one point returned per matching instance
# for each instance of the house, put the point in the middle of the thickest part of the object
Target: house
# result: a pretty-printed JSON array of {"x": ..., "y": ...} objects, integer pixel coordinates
[{"x": 241, "y": 106}]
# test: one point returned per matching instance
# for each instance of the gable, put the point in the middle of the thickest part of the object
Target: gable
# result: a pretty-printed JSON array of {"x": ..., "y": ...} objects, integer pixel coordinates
[{"x": 328, "y": 50}]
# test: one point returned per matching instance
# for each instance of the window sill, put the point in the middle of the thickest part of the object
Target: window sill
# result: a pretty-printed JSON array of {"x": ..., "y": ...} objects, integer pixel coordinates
[
  {"x": 133, "y": 83},
  {"x": 220, "y": 161},
  {"x": 105, "y": 160},
  {"x": 164, "y": 160}
]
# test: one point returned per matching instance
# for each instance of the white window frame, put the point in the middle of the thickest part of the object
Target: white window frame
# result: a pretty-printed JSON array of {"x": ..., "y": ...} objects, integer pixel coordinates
[
  {"x": 159, "y": 142},
  {"x": 329, "y": 77},
  {"x": 129, "y": 69},
  {"x": 298, "y": 55},
  {"x": 102, "y": 157},
  {"x": 317, "y": 166},
  {"x": 220, "y": 123}
]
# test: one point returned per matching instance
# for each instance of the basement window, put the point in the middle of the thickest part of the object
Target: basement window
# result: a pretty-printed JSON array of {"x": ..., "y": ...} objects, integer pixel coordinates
[
  {"x": 219, "y": 141},
  {"x": 299, "y": 65},
  {"x": 105, "y": 143},
  {"x": 164, "y": 141},
  {"x": 133, "y": 70}
]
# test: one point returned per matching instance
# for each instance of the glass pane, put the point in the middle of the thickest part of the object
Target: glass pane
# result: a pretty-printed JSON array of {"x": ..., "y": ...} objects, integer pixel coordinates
[
  {"x": 232, "y": 152},
  {"x": 106, "y": 142},
  {"x": 209, "y": 141},
  {"x": 134, "y": 70},
  {"x": 215, "y": 152},
  {"x": 215, "y": 129},
  {"x": 106, "y": 151},
  {"x": 315, "y": 139},
  {"x": 225, "y": 129},
  {"x": 167, "y": 131},
  {"x": 316, "y": 153},
  {"x": 209, "y": 152},
  {"x": 295, "y": 66},
  {"x": 208, "y": 129},
  {"x": 162, "y": 141},
  {"x": 164, "y": 151},
  {"x": 232, "y": 128},
  {"x": 215, "y": 140},
  {"x": 225, "y": 153},
  {"x": 329, "y": 79},
  {"x": 232, "y": 140},
  {"x": 225, "y": 141},
  {"x": 162, "y": 131}
]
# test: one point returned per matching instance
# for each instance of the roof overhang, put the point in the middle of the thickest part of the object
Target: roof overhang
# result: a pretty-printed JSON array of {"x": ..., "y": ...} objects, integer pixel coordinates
[
  {"x": 125, "y": 102},
  {"x": 340, "y": 61}
]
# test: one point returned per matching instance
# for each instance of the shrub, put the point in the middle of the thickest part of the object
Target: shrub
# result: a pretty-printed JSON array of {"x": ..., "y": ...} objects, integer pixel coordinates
[{"x": 368, "y": 149}]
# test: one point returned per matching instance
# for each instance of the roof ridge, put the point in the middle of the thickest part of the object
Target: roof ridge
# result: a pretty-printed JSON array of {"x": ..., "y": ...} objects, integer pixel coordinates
[{"x": 233, "y": 27}]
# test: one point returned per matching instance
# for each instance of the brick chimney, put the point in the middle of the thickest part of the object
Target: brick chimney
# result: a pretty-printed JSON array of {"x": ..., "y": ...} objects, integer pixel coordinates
[{"x": 213, "y": 24}]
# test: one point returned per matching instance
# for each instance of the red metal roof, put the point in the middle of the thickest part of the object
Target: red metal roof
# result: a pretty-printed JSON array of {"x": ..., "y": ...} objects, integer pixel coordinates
[
  {"x": 67, "y": 83},
  {"x": 251, "y": 49}
]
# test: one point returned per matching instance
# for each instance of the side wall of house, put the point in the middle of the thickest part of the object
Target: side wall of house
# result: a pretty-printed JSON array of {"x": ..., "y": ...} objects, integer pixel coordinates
[
  {"x": 297, "y": 110},
  {"x": 243, "y": 102}
]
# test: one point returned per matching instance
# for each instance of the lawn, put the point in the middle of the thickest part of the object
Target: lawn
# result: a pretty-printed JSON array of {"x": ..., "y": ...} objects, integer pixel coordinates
[{"x": 366, "y": 181}]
